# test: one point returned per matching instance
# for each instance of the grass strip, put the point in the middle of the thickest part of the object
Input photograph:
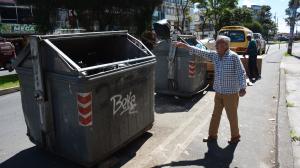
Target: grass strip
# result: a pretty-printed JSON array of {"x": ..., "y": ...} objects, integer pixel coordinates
[{"x": 9, "y": 81}]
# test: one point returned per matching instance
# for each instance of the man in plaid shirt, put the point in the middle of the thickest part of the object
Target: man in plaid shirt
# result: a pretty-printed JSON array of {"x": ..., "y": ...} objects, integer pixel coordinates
[{"x": 229, "y": 85}]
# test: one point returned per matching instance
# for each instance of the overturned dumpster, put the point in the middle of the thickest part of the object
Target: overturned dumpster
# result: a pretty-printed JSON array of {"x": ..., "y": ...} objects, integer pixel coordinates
[
  {"x": 86, "y": 95},
  {"x": 177, "y": 72}
]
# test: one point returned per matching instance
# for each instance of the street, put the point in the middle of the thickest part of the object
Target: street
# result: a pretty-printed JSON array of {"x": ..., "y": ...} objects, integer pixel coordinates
[{"x": 176, "y": 137}]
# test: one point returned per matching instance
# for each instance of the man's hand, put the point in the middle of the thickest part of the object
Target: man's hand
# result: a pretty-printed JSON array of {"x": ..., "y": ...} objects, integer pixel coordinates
[
  {"x": 181, "y": 45},
  {"x": 242, "y": 92}
]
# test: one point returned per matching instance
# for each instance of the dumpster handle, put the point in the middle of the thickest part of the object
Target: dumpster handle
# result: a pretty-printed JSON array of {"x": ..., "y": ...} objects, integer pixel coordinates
[
  {"x": 115, "y": 63},
  {"x": 141, "y": 46},
  {"x": 89, "y": 34},
  {"x": 64, "y": 57},
  {"x": 114, "y": 71},
  {"x": 23, "y": 54}
]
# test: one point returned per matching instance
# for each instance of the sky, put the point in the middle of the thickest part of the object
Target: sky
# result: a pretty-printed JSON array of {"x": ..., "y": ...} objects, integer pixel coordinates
[{"x": 277, "y": 7}]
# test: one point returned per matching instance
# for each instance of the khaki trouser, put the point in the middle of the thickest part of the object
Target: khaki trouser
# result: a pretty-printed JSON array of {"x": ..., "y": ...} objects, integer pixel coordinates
[{"x": 230, "y": 102}]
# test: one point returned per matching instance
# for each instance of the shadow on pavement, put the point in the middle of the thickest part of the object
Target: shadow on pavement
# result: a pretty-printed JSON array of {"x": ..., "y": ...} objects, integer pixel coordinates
[
  {"x": 34, "y": 158},
  {"x": 215, "y": 157},
  {"x": 37, "y": 158},
  {"x": 173, "y": 104},
  {"x": 126, "y": 154},
  {"x": 298, "y": 57}
]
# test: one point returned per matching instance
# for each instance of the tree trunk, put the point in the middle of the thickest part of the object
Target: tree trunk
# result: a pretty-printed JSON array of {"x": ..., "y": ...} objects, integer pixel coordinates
[
  {"x": 202, "y": 29},
  {"x": 183, "y": 24},
  {"x": 292, "y": 27}
]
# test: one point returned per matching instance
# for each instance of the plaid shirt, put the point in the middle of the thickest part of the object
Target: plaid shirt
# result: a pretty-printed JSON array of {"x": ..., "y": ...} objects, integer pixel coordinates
[{"x": 230, "y": 75}]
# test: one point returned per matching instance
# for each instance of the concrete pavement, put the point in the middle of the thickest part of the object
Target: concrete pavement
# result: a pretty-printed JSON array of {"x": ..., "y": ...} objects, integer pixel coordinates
[
  {"x": 4, "y": 72},
  {"x": 176, "y": 137},
  {"x": 291, "y": 66},
  {"x": 257, "y": 112},
  {"x": 13, "y": 137}
]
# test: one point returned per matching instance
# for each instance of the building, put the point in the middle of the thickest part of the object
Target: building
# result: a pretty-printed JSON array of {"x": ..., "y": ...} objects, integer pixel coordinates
[
  {"x": 197, "y": 25},
  {"x": 170, "y": 10},
  {"x": 15, "y": 19},
  {"x": 256, "y": 10}
]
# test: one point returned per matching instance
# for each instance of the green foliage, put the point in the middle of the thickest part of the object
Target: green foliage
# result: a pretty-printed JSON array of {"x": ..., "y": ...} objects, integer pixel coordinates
[
  {"x": 294, "y": 136},
  {"x": 236, "y": 16},
  {"x": 255, "y": 26},
  {"x": 288, "y": 11},
  {"x": 288, "y": 103},
  {"x": 9, "y": 81},
  {"x": 265, "y": 19},
  {"x": 122, "y": 14},
  {"x": 226, "y": 13},
  {"x": 217, "y": 11}
]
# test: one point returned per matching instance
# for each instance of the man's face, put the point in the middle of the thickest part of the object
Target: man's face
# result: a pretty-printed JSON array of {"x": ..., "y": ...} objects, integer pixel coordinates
[
  {"x": 249, "y": 38},
  {"x": 221, "y": 47}
]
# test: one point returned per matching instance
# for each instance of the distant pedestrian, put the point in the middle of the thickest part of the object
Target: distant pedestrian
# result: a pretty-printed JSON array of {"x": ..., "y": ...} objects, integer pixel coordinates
[
  {"x": 229, "y": 85},
  {"x": 252, "y": 60}
]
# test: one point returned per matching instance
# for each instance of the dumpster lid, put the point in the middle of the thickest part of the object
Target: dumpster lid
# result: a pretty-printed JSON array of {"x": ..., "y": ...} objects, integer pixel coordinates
[{"x": 162, "y": 28}]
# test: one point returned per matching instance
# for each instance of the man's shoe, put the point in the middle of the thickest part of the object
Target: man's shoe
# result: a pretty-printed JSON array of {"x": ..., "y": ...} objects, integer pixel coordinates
[
  {"x": 258, "y": 78},
  {"x": 234, "y": 140},
  {"x": 249, "y": 83},
  {"x": 210, "y": 139}
]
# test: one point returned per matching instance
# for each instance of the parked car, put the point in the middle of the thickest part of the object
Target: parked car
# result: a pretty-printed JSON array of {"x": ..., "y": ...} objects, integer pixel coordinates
[
  {"x": 210, "y": 43},
  {"x": 261, "y": 43},
  {"x": 282, "y": 38},
  {"x": 7, "y": 54}
]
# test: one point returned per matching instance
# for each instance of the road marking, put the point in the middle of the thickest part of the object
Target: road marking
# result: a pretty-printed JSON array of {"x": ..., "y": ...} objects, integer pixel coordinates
[
  {"x": 162, "y": 150},
  {"x": 187, "y": 142}
]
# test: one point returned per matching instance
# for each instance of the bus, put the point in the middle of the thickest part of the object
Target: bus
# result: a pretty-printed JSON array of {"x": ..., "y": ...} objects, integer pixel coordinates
[{"x": 238, "y": 37}]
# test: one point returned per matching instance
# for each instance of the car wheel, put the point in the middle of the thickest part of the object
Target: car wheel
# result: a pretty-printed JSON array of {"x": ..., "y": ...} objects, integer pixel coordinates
[{"x": 9, "y": 67}]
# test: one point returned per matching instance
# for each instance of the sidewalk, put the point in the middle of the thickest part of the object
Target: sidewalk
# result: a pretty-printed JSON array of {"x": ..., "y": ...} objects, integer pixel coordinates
[
  {"x": 257, "y": 116},
  {"x": 291, "y": 65}
]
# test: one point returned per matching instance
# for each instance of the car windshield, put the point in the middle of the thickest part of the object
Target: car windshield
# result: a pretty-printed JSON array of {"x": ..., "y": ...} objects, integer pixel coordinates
[
  {"x": 234, "y": 35},
  {"x": 201, "y": 46},
  {"x": 256, "y": 36}
]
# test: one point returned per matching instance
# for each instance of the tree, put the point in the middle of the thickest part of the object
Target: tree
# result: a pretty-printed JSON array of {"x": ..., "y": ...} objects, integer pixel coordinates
[
  {"x": 293, "y": 6},
  {"x": 265, "y": 19},
  {"x": 242, "y": 16},
  {"x": 204, "y": 15},
  {"x": 217, "y": 9},
  {"x": 254, "y": 26},
  {"x": 182, "y": 10},
  {"x": 116, "y": 14},
  {"x": 289, "y": 12}
]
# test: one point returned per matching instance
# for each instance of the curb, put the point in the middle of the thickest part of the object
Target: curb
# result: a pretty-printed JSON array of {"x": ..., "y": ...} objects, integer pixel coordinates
[
  {"x": 9, "y": 90},
  {"x": 284, "y": 152}
]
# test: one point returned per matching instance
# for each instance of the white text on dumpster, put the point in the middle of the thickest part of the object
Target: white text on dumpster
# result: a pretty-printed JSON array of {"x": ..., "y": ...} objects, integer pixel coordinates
[{"x": 125, "y": 104}]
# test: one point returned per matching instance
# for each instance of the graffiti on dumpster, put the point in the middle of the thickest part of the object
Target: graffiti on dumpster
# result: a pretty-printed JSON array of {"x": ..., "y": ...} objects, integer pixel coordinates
[{"x": 125, "y": 104}]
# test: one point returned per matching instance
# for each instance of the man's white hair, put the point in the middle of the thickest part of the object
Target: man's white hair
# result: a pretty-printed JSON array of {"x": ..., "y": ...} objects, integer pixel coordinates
[{"x": 223, "y": 38}]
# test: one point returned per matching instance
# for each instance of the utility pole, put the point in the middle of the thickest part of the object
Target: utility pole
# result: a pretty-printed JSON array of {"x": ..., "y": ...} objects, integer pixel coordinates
[{"x": 292, "y": 26}]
